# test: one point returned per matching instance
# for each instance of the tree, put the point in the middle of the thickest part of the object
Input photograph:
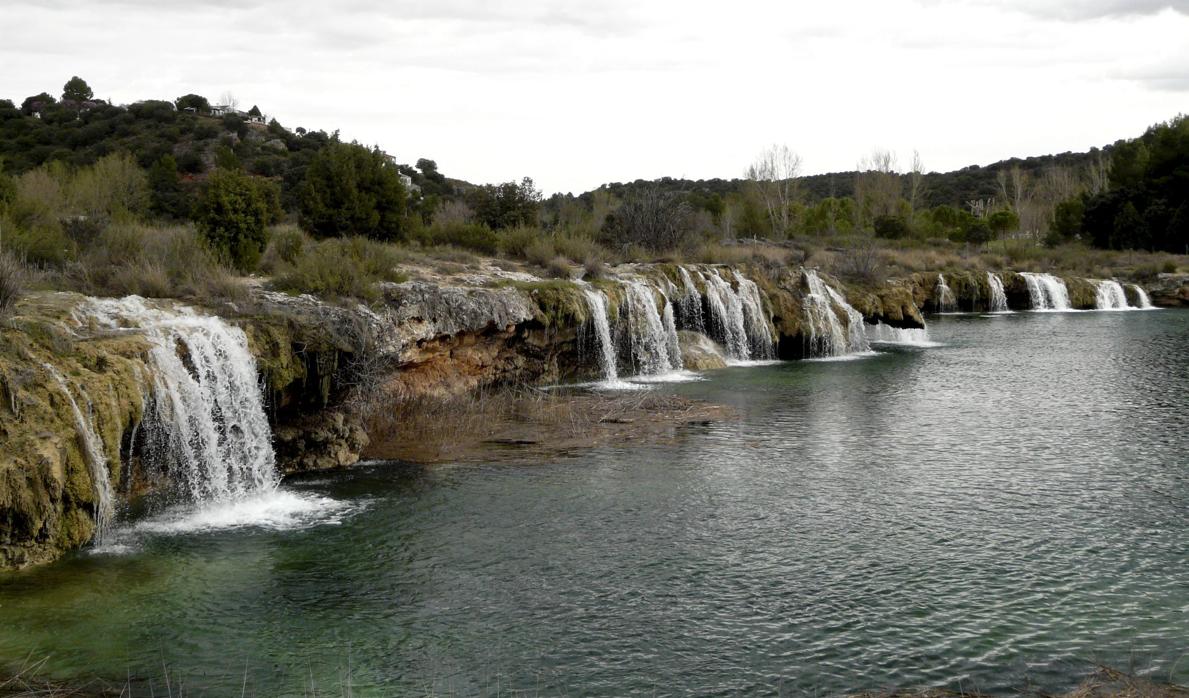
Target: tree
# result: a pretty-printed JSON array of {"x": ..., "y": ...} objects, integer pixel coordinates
[
  {"x": 350, "y": 190},
  {"x": 76, "y": 90},
  {"x": 877, "y": 186},
  {"x": 166, "y": 197},
  {"x": 1003, "y": 222},
  {"x": 254, "y": 111},
  {"x": 917, "y": 188},
  {"x": 33, "y": 105},
  {"x": 1067, "y": 221},
  {"x": 192, "y": 101},
  {"x": 774, "y": 175},
  {"x": 232, "y": 214},
  {"x": 505, "y": 205},
  {"x": 650, "y": 218}
]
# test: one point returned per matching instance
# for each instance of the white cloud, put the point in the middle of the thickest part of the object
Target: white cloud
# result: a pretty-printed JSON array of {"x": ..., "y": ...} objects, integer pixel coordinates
[{"x": 580, "y": 93}]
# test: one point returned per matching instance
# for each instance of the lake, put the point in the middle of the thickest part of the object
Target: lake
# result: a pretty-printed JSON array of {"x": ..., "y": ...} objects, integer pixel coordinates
[{"x": 999, "y": 512}]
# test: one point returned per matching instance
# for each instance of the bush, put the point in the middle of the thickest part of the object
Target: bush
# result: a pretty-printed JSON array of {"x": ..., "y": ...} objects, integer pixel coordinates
[
  {"x": 153, "y": 262},
  {"x": 45, "y": 245},
  {"x": 891, "y": 227},
  {"x": 286, "y": 245},
  {"x": 13, "y": 277},
  {"x": 558, "y": 268},
  {"x": 342, "y": 267},
  {"x": 540, "y": 251},
  {"x": 514, "y": 241},
  {"x": 232, "y": 213},
  {"x": 470, "y": 236}
]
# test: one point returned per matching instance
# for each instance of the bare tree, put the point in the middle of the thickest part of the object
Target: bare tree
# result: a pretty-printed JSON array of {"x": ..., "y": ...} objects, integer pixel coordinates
[
  {"x": 1099, "y": 173},
  {"x": 917, "y": 189},
  {"x": 775, "y": 175},
  {"x": 228, "y": 99},
  {"x": 877, "y": 185}
]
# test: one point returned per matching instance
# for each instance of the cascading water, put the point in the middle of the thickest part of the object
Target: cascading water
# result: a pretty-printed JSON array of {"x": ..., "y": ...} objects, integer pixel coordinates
[
  {"x": 205, "y": 422},
  {"x": 727, "y": 324},
  {"x": 650, "y": 339},
  {"x": 1110, "y": 296},
  {"x": 828, "y": 336},
  {"x": 691, "y": 304},
  {"x": 1145, "y": 303},
  {"x": 105, "y": 500},
  {"x": 596, "y": 302},
  {"x": 998, "y": 302},
  {"x": 759, "y": 336},
  {"x": 945, "y": 297},
  {"x": 670, "y": 323},
  {"x": 880, "y": 333},
  {"x": 1047, "y": 291}
]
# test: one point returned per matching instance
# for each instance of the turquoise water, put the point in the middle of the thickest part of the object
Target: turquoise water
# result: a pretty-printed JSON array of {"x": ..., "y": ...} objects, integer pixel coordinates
[{"x": 1001, "y": 512}]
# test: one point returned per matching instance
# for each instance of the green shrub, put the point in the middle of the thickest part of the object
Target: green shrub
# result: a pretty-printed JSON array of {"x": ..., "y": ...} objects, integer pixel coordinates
[
  {"x": 232, "y": 213},
  {"x": 44, "y": 244},
  {"x": 1169, "y": 267},
  {"x": 470, "y": 236},
  {"x": 286, "y": 244},
  {"x": 514, "y": 241},
  {"x": 540, "y": 251},
  {"x": 342, "y": 267},
  {"x": 154, "y": 262}
]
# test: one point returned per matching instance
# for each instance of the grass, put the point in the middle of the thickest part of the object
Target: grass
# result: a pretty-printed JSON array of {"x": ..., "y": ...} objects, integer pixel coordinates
[
  {"x": 336, "y": 268},
  {"x": 156, "y": 262},
  {"x": 13, "y": 278}
]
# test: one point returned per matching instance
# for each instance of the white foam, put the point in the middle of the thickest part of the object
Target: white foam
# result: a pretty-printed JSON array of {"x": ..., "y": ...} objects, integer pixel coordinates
[
  {"x": 682, "y": 376},
  {"x": 278, "y": 510}
]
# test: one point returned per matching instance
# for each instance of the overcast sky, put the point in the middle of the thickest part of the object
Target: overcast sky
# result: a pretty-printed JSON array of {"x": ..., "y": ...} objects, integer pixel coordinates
[{"x": 580, "y": 93}]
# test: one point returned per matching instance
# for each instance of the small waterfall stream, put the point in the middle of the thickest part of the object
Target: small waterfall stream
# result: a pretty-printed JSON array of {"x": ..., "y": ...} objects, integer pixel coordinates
[
  {"x": 650, "y": 338},
  {"x": 1047, "y": 291},
  {"x": 691, "y": 304},
  {"x": 1110, "y": 296},
  {"x": 998, "y": 301},
  {"x": 828, "y": 336},
  {"x": 1145, "y": 303},
  {"x": 727, "y": 323},
  {"x": 92, "y": 446},
  {"x": 596, "y": 302},
  {"x": 945, "y": 297},
  {"x": 880, "y": 333}
]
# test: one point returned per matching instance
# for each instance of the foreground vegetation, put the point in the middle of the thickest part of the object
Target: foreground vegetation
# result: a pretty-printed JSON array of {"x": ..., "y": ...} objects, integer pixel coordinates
[{"x": 183, "y": 198}]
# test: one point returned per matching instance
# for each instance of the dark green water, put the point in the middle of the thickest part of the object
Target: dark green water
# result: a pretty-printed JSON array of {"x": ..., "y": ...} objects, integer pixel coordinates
[{"x": 1000, "y": 512}]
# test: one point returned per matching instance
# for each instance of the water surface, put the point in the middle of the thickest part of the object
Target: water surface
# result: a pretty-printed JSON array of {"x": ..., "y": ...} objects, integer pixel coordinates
[{"x": 999, "y": 512}]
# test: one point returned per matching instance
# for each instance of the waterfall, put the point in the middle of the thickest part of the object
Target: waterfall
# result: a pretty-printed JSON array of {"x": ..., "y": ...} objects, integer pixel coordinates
[
  {"x": 1047, "y": 291},
  {"x": 727, "y": 323},
  {"x": 650, "y": 339},
  {"x": 880, "y": 333},
  {"x": 671, "y": 341},
  {"x": 1145, "y": 303},
  {"x": 759, "y": 336},
  {"x": 945, "y": 297},
  {"x": 105, "y": 500},
  {"x": 827, "y": 334},
  {"x": 998, "y": 303},
  {"x": 205, "y": 422},
  {"x": 691, "y": 304},
  {"x": 596, "y": 302},
  {"x": 1110, "y": 296}
]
